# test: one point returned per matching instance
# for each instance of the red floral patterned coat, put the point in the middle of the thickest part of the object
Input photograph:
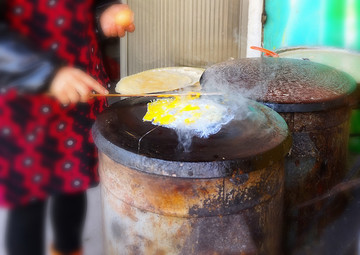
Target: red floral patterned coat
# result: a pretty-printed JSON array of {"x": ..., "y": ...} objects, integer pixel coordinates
[{"x": 45, "y": 147}]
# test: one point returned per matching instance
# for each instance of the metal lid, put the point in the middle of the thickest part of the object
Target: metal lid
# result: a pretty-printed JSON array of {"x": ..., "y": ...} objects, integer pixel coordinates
[
  {"x": 286, "y": 85},
  {"x": 344, "y": 60},
  {"x": 121, "y": 134}
]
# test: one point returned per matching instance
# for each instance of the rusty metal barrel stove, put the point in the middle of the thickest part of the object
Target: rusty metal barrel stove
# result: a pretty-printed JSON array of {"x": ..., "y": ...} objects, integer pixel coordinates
[
  {"x": 344, "y": 60},
  {"x": 223, "y": 195},
  {"x": 315, "y": 100}
]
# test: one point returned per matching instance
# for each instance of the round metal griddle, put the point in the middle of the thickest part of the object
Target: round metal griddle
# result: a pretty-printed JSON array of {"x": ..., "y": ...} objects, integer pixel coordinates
[
  {"x": 285, "y": 85},
  {"x": 121, "y": 127}
]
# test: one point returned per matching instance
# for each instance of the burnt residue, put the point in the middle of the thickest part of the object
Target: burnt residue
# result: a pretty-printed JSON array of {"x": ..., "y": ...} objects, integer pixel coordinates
[
  {"x": 239, "y": 179},
  {"x": 315, "y": 100},
  {"x": 117, "y": 231},
  {"x": 232, "y": 197},
  {"x": 223, "y": 197},
  {"x": 291, "y": 83},
  {"x": 220, "y": 235},
  {"x": 194, "y": 216},
  {"x": 252, "y": 231},
  {"x": 316, "y": 164}
]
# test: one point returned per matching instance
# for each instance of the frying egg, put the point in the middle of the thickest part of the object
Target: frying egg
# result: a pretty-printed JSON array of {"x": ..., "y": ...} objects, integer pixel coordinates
[{"x": 200, "y": 116}]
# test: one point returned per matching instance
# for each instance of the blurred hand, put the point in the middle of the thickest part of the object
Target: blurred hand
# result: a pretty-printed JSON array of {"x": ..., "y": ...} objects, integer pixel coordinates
[
  {"x": 72, "y": 85},
  {"x": 116, "y": 20}
]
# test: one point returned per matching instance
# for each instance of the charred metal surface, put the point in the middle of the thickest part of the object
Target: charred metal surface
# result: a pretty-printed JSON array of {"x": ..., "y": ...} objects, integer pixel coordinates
[
  {"x": 315, "y": 100},
  {"x": 185, "y": 197},
  {"x": 123, "y": 126},
  {"x": 322, "y": 120},
  {"x": 316, "y": 164},
  {"x": 118, "y": 129},
  {"x": 224, "y": 196},
  {"x": 152, "y": 214},
  {"x": 288, "y": 85}
]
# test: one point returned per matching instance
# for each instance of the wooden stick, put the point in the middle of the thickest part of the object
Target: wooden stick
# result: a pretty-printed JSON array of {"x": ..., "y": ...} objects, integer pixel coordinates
[{"x": 156, "y": 95}]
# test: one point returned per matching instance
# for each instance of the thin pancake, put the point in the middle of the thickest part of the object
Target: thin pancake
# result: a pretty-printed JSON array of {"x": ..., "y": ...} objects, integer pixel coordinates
[{"x": 159, "y": 80}]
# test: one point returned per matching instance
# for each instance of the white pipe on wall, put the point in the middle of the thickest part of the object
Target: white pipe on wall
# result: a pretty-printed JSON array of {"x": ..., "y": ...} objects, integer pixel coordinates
[{"x": 254, "y": 35}]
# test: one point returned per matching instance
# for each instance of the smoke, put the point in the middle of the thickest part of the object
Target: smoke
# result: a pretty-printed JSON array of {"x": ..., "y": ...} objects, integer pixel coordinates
[
  {"x": 200, "y": 117},
  {"x": 214, "y": 115},
  {"x": 245, "y": 78},
  {"x": 235, "y": 84},
  {"x": 232, "y": 85},
  {"x": 229, "y": 105}
]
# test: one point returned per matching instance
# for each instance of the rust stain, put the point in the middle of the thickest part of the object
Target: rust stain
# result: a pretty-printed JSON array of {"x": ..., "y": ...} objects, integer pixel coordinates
[
  {"x": 171, "y": 211},
  {"x": 313, "y": 170}
]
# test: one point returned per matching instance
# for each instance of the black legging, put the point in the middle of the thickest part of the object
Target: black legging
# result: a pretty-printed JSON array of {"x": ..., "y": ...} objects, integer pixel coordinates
[{"x": 25, "y": 226}]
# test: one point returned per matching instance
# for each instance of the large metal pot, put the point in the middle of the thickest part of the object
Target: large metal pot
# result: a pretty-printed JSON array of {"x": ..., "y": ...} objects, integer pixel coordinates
[
  {"x": 341, "y": 59},
  {"x": 315, "y": 100},
  {"x": 223, "y": 196}
]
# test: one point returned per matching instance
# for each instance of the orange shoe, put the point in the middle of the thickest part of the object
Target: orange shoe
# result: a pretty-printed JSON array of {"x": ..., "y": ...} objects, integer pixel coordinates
[{"x": 53, "y": 251}]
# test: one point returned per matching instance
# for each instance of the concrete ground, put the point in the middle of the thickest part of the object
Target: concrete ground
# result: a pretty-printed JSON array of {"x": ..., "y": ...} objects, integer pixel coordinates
[{"x": 93, "y": 228}]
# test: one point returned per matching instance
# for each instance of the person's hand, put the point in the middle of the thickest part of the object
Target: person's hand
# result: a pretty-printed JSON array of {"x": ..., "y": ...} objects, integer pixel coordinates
[
  {"x": 72, "y": 85},
  {"x": 116, "y": 20}
]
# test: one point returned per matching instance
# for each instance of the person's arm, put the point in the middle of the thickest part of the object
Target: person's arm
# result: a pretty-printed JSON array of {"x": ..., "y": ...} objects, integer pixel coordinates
[
  {"x": 22, "y": 65},
  {"x": 31, "y": 70}
]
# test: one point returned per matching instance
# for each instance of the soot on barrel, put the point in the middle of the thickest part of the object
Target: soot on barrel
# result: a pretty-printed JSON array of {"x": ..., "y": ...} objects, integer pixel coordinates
[
  {"x": 316, "y": 101},
  {"x": 222, "y": 196}
]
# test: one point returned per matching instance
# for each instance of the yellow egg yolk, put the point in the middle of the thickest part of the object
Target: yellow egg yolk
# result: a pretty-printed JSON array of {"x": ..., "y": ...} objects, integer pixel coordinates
[{"x": 166, "y": 111}]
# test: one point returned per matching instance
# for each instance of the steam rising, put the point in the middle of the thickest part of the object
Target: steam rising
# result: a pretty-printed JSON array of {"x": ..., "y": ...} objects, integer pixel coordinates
[
  {"x": 235, "y": 99},
  {"x": 231, "y": 104},
  {"x": 208, "y": 124}
]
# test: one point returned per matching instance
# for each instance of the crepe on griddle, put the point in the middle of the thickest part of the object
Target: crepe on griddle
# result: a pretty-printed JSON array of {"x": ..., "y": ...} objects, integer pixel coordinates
[{"x": 159, "y": 80}]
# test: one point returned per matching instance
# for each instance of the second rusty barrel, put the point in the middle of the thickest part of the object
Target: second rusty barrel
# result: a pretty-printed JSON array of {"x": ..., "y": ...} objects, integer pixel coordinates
[
  {"x": 316, "y": 101},
  {"x": 222, "y": 195},
  {"x": 344, "y": 60}
]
